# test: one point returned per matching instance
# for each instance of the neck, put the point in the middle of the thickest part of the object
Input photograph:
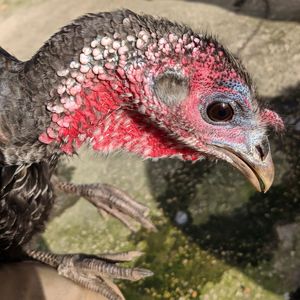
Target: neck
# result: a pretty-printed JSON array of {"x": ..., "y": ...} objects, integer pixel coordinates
[{"x": 109, "y": 121}]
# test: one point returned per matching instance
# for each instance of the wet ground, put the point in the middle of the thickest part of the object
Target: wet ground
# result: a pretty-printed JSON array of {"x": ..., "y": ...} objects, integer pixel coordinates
[{"x": 217, "y": 237}]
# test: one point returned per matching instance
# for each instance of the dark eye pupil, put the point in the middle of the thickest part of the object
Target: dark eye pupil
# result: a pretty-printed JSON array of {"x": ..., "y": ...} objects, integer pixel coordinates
[{"x": 220, "y": 112}]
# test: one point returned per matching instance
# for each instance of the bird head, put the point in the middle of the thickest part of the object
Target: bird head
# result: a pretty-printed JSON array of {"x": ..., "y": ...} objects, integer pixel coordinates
[
  {"x": 213, "y": 110},
  {"x": 158, "y": 89}
]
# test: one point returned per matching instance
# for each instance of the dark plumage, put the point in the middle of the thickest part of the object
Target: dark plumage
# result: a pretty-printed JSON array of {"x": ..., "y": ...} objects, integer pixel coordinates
[
  {"x": 25, "y": 191},
  {"x": 118, "y": 81},
  {"x": 26, "y": 201}
]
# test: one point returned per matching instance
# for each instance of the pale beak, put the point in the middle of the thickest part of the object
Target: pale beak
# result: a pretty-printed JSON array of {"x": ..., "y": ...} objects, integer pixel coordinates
[{"x": 256, "y": 165}]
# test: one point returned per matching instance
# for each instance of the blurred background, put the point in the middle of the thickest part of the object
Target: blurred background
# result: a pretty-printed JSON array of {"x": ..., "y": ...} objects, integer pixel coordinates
[{"x": 217, "y": 237}]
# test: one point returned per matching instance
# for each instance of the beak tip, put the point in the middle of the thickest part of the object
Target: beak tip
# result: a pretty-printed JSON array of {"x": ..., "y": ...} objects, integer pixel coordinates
[
  {"x": 265, "y": 179},
  {"x": 260, "y": 172}
]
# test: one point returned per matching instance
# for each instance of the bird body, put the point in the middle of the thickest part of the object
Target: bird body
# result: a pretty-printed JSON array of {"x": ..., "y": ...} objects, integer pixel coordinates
[
  {"x": 25, "y": 191},
  {"x": 121, "y": 81}
]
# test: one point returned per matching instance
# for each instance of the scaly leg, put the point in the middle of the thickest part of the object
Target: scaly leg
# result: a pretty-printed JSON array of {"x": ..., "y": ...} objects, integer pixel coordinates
[
  {"x": 94, "y": 272},
  {"x": 110, "y": 200}
]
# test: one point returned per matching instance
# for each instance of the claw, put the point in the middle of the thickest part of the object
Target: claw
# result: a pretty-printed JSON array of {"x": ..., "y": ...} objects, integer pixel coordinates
[
  {"x": 114, "y": 287},
  {"x": 104, "y": 287},
  {"x": 138, "y": 274},
  {"x": 110, "y": 200},
  {"x": 94, "y": 272},
  {"x": 98, "y": 267},
  {"x": 125, "y": 197}
]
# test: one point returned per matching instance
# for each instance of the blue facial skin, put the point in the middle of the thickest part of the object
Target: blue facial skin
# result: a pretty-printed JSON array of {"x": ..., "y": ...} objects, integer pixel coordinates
[
  {"x": 237, "y": 87},
  {"x": 243, "y": 116},
  {"x": 238, "y": 96},
  {"x": 240, "y": 93}
]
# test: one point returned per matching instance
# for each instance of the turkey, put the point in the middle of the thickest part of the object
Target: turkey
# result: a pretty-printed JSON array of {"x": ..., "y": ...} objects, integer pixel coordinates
[{"x": 118, "y": 81}]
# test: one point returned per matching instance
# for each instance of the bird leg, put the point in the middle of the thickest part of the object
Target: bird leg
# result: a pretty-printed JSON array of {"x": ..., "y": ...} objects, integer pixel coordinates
[
  {"x": 94, "y": 272},
  {"x": 110, "y": 200}
]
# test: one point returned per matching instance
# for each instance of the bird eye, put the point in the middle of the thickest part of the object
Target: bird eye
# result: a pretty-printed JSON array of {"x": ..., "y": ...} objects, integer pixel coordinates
[{"x": 220, "y": 112}]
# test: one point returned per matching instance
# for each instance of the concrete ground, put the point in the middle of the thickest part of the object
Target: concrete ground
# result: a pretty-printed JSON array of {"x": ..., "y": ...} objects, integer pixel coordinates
[{"x": 266, "y": 34}]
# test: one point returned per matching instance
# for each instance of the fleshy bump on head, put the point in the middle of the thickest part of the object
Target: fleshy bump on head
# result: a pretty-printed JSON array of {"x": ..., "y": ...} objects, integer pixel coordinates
[{"x": 272, "y": 119}]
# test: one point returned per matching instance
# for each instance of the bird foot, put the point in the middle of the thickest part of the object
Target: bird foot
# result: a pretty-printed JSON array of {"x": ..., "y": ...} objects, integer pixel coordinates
[
  {"x": 94, "y": 272},
  {"x": 111, "y": 200}
]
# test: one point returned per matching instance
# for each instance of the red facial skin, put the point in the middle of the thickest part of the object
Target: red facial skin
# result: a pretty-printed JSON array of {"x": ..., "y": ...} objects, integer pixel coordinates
[{"x": 119, "y": 110}]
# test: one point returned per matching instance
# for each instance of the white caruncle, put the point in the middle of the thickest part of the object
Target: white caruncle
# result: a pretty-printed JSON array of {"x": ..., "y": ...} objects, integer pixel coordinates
[
  {"x": 84, "y": 68},
  {"x": 95, "y": 43},
  {"x": 62, "y": 73},
  {"x": 84, "y": 59},
  {"x": 87, "y": 51},
  {"x": 106, "y": 41},
  {"x": 74, "y": 65}
]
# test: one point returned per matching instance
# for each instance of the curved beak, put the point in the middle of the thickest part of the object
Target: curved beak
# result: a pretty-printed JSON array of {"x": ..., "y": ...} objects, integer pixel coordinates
[{"x": 256, "y": 165}]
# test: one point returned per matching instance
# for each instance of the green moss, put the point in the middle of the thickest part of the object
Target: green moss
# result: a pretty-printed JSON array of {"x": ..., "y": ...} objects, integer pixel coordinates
[
  {"x": 235, "y": 285},
  {"x": 181, "y": 268}
]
